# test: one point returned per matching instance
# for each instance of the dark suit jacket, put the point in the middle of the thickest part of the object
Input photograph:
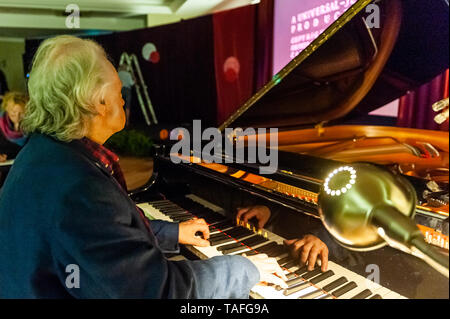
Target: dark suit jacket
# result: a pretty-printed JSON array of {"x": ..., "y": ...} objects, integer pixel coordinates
[
  {"x": 7, "y": 147},
  {"x": 60, "y": 208}
]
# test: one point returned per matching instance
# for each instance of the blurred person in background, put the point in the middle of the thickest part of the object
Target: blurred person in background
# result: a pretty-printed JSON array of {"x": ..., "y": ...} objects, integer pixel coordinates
[{"x": 11, "y": 136}]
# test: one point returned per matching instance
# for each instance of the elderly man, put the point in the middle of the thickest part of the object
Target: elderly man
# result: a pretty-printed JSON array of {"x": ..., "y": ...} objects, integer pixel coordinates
[{"x": 67, "y": 226}]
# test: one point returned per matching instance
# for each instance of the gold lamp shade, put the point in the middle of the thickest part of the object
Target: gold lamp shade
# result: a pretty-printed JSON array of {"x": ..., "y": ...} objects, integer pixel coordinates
[{"x": 351, "y": 194}]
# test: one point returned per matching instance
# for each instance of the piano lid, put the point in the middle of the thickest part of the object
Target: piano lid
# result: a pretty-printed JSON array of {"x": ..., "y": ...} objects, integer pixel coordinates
[{"x": 351, "y": 69}]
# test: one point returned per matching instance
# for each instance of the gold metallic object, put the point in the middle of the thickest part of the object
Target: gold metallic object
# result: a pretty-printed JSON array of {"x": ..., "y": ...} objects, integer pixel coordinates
[
  {"x": 366, "y": 207},
  {"x": 348, "y": 196}
]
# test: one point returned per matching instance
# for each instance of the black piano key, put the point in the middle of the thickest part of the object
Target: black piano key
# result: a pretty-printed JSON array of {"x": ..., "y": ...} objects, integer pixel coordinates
[
  {"x": 333, "y": 285},
  {"x": 173, "y": 211},
  {"x": 266, "y": 247},
  {"x": 229, "y": 232},
  {"x": 232, "y": 250},
  {"x": 219, "y": 235},
  {"x": 294, "y": 289},
  {"x": 312, "y": 273},
  {"x": 273, "y": 251},
  {"x": 344, "y": 289},
  {"x": 243, "y": 230},
  {"x": 219, "y": 240},
  {"x": 291, "y": 263},
  {"x": 377, "y": 296},
  {"x": 222, "y": 241},
  {"x": 322, "y": 277},
  {"x": 301, "y": 270},
  {"x": 284, "y": 260},
  {"x": 363, "y": 294},
  {"x": 254, "y": 240},
  {"x": 233, "y": 231},
  {"x": 181, "y": 218},
  {"x": 295, "y": 281},
  {"x": 158, "y": 201},
  {"x": 238, "y": 236},
  {"x": 297, "y": 273},
  {"x": 314, "y": 281},
  {"x": 277, "y": 251},
  {"x": 238, "y": 232},
  {"x": 233, "y": 245},
  {"x": 161, "y": 203},
  {"x": 165, "y": 206},
  {"x": 299, "y": 283},
  {"x": 290, "y": 275},
  {"x": 179, "y": 215},
  {"x": 230, "y": 246},
  {"x": 223, "y": 224}
]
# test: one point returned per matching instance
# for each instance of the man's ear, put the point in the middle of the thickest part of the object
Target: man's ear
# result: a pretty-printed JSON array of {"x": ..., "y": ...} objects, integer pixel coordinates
[{"x": 100, "y": 106}]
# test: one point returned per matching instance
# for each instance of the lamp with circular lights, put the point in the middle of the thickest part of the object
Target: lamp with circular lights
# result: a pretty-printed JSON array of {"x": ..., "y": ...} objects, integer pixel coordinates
[{"x": 366, "y": 207}]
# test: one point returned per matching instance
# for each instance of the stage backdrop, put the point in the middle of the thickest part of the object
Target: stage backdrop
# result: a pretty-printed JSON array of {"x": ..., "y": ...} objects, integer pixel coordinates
[{"x": 234, "y": 37}]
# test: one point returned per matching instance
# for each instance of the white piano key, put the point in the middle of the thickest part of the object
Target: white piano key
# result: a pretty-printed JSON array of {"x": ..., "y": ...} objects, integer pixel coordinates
[
  {"x": 351, "y": 293},
  {"x": 391, "y": 295},
  {"x": 381, "y": 291},
  {"x": 152, "y": 212}
]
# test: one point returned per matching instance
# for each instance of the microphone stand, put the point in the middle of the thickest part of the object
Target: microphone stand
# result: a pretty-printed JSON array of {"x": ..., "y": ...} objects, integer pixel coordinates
[{"x": 400, "y": 232}]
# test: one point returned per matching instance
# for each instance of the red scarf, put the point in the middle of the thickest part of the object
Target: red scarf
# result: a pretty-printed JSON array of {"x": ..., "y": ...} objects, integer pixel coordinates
[
  {"x": 7, "y": 128},
  {"x": 110, "y": 161}
]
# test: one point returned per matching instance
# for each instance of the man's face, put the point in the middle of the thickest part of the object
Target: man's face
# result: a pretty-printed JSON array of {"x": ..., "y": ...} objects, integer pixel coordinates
[
  {"x": 15, "y": 112},
  {"x": 115, "y": 115}
]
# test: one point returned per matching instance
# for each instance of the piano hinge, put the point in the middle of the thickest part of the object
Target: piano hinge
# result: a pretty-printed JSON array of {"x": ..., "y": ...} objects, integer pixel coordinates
[{"x": 320, "y": 128}]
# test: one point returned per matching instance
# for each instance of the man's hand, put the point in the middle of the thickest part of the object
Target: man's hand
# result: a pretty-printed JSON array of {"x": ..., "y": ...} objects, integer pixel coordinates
[
  {"x": 188, "y": 229},
  {"x": 269, "y": 270},
  {"x": 3, "y": 157},
  {"x": 308, "y": 249},
  {"x": 261, "y": 213}
]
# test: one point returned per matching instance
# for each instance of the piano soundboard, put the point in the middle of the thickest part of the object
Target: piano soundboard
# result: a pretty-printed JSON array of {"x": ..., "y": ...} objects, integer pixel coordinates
[{"x": 229, "y": 238}]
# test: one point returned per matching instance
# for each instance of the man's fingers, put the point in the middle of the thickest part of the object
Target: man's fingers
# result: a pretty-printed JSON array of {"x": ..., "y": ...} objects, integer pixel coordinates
[
  {"x": 200, "y": 220},
  {"x": 296, "y": 247},
  {"x": 289, "y": 242},
  {"x": 313, "y": 257},
  {"x": 241, "y": 211},
  {"x": 248, "y": 215},
  {"x": 270, "y": 278},
  {"x": 204, "y": 229},
  {"x": 275, "y": 268},
  {"x": 271, "y": 266},
  {"x": 324, "y": 258},
  {"x": 261, "y": 223},
  {"x": 280, "y": 273},
  {"x": 261, "y": 256},
  {"x": 201, "y": 242},
  {"x": 305, "y": 253}
]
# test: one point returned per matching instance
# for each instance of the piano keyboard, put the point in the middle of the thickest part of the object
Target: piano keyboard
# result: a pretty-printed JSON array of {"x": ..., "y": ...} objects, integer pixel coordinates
[{"x": 227, "y": 238}]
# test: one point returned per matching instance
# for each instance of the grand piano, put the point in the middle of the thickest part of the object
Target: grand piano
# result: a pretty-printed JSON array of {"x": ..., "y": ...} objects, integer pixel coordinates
[{"x": 315, "y": 103}]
